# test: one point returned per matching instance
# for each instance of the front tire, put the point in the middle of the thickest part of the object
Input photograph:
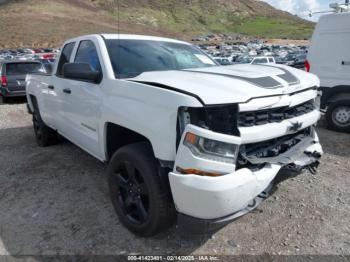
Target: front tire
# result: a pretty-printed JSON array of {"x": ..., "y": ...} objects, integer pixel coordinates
[
  {"x": 140, "y": 199},
  {"x": 338, "y": 115},
  {"x": 44, "y": 135}
]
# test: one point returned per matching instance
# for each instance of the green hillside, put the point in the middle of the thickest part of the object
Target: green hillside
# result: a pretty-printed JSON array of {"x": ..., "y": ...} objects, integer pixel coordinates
[{"x": 49, "y": 22}]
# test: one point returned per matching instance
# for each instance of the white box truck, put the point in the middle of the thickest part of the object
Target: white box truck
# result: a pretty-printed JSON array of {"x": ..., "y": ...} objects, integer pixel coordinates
[{"x": 329, "y": 59}]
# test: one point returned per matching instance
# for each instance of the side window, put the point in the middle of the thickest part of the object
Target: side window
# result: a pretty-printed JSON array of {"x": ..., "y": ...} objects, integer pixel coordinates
[
  {"x": 270, "y": 60},
  {"x": 65, "y": 56},
  {"x": 87, "y": 53}
]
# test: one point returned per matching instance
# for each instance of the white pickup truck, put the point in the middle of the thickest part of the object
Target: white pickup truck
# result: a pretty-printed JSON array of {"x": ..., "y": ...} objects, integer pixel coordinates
[{"x": 184, "y": 137}]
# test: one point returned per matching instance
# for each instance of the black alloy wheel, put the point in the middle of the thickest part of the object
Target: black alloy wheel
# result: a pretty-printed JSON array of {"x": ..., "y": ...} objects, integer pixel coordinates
[
  {"x": 141, "y": 199},
  {"x": 133, "y": 195}
]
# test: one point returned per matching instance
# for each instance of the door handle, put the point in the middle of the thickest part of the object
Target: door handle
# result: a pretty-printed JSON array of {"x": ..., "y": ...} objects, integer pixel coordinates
[
  {"x": 67, "y": 91},
  {"x": 345, "y": 63},
  {"x": 51, "y": 87}
]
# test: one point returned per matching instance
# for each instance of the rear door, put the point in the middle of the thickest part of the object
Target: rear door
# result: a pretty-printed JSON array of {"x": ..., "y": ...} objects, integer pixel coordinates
[
  {"x": 56, "y": 96},
  {"x": 16, "y": 74}
]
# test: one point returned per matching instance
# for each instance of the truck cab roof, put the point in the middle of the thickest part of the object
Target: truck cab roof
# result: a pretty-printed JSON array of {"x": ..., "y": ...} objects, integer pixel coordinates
[{"x": 130, "y": 37}]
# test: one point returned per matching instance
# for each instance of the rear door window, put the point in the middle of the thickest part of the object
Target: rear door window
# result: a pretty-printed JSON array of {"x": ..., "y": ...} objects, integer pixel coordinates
[
  {"x": 271, "y": 60},
  {"x": 24, "y": 68},
  {"x": 64, "y": 58}
]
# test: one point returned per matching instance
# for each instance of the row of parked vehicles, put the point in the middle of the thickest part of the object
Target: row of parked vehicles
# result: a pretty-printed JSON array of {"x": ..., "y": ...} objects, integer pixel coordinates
[
  {"x": 257, "y": 52},
  {"x": 29, "y": 50},
  {"x": 187, "y": 139}
]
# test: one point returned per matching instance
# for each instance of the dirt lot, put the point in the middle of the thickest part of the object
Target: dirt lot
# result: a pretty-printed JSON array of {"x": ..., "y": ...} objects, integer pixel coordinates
[{"x": 55, "y": 201}]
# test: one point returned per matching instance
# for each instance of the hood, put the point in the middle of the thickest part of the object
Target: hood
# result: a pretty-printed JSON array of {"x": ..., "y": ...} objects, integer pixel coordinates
[{"x": 232, "y": 84}]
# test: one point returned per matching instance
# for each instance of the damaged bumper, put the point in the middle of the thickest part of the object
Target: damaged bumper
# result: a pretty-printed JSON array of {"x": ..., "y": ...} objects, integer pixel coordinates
[{"x": 205, "y": 203}]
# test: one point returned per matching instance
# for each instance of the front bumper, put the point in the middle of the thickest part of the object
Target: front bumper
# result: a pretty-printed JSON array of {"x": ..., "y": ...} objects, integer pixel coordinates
[
  {"x": 211, "y": 198},
  {"x": 210, "y": 202},
  {"x": 200, "y": 226}
]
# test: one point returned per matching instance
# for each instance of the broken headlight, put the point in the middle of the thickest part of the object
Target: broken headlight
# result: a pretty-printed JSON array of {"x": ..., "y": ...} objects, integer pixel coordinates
[
  {"x": 221, "y": 119},
  {"x": 210, "y": 149}
]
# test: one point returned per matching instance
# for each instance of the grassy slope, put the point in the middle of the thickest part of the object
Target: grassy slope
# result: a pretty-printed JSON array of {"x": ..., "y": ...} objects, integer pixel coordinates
[
  {"x": 33, "y": 23},
  {"x": 199, "y": 17},
  {"x": 274, "y": 28},
  {"x": 49, "y": 22}
]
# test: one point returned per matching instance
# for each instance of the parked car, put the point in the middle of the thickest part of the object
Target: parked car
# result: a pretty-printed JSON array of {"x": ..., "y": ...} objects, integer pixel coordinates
[
  {"x": 256, "y": 60},
  {"x": 329, "y": 58},
  {"x": 299, "y": 61},
  {"x": 243, "y": 60},
  {"x": 263, "y": 60},
  {"x": 279, "y": 60},
  {"x": 222, "y": 61},
  {"x": 12, "y": 77},
  {"x": 183, "y": 137}
]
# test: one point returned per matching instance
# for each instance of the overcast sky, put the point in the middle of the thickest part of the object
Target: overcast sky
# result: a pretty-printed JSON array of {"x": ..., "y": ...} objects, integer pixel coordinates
[{"x": 302, "y": 7}]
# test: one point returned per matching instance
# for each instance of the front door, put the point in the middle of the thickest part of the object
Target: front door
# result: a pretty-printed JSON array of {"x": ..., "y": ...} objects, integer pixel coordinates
[{"x": 81, "y": 103}]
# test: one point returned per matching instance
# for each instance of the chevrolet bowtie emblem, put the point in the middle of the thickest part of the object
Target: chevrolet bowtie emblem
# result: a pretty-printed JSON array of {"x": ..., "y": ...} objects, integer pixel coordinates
[{"x": 295, "y": 127}]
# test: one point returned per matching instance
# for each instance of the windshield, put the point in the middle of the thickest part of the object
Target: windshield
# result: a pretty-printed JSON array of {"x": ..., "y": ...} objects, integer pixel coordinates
[
  {"x": 23, "y": 68},
  {"x": 131, "y": 58}
]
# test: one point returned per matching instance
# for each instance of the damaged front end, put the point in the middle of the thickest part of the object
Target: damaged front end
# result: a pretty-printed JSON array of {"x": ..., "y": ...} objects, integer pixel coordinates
[
  {"x": 297, "y": 151},
  {"x": 224, "y": 169}
]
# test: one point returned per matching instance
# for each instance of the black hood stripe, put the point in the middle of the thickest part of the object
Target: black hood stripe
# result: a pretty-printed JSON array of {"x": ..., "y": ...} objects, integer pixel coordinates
[
  {"x": 264, "y": 82},
  {"x": 287, "y": 76}
]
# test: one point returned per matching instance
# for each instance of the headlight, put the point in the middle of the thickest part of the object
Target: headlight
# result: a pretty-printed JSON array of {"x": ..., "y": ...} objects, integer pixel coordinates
[
  {"x": 221, "y": 119},
  {"x": 211, "y": 149}
]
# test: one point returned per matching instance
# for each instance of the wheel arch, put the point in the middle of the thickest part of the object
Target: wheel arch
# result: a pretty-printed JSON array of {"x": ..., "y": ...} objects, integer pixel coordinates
[
  {"x": 332, "y": 94},
  {"x": 31, "y": 99},
  {"x": 117, "y": 136}
]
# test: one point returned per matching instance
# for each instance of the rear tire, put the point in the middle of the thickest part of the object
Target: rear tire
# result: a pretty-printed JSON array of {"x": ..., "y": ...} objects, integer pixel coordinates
[
  {"x": 141, "y": 200},
  {"x": 338, "y": 115},
  {"x": 44, "y": 135}
]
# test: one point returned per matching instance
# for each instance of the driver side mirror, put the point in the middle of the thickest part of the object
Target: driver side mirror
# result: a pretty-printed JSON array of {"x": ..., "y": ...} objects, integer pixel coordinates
[{"x": 82, "y": 72}]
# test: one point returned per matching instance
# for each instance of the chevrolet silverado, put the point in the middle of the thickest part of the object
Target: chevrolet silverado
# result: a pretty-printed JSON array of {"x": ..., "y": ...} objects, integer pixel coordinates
[{"x": 184, "y": 138}]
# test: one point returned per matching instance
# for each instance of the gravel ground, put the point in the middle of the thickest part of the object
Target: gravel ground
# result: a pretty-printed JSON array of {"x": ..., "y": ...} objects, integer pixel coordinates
[{"x": 55, "y": 201}]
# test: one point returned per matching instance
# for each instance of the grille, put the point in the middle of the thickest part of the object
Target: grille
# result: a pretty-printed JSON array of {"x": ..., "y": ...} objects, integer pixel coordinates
[
  {"x": 275, "y": 147},
  {"x": 254, "y": 154},
  {"x": 274, "y": 115}
]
